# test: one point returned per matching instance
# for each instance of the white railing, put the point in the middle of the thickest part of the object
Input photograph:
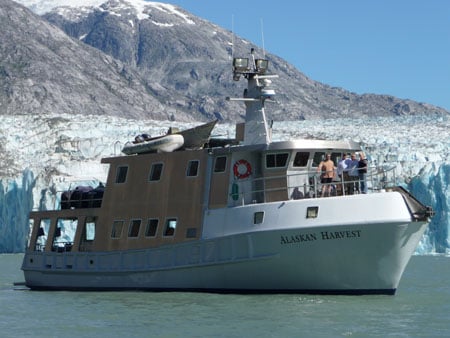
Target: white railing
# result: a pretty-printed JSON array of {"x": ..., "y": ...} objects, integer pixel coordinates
[{"x": 265, "y": 189}]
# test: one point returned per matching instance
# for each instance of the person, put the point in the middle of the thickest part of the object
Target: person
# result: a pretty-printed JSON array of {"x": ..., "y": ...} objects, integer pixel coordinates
[
  {"x": 342, "y": 171},
  {"x": 362, "y": 172},
  {"x": 327, "y": 168},
  {"x": 353, "y": 175}
]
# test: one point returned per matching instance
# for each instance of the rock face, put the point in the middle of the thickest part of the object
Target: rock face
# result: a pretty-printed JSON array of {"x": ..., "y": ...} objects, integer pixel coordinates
[
  {"x": 42, "y": 70},
  {"x": 156, "y": 61}
]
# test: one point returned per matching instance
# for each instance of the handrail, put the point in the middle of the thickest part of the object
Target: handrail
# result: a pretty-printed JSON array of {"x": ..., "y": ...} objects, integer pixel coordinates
[{"x": 263, "y": 190}]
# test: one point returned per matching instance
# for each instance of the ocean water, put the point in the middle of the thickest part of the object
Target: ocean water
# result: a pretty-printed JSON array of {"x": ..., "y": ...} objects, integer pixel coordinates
[{"x": 421, "y": 308}]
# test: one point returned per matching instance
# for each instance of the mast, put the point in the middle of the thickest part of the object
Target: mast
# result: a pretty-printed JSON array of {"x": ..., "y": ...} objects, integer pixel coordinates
[{"x": 257, "y": 129}]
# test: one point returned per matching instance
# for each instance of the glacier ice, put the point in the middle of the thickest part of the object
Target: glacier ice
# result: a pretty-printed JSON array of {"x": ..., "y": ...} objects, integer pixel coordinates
[{"x": 44, "y": 155}]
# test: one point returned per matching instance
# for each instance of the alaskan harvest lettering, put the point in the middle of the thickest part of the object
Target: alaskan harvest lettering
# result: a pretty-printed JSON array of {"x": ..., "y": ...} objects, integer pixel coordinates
[{"x": 323, "y": 235}]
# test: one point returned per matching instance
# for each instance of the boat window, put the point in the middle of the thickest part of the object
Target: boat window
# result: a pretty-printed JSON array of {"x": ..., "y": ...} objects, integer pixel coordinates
[
  {"x": 42, "y": 235},
  {"x": 152, "y": 226},
  {"x": 318, "y": 157},
  {"x": 258, "y": 217},
  {"x": 301, "y": 159},
  {"x": 220, "y": 164},
  {"x": 121, "y": 174},
  {"x": 312, "y": 212},
  {"x": 116, "y": 231},
  {"x": 133, "y": 229},
  {"x": 64, "y": 234},
  {"x": 336, "y": 157},
  {"x": 156, "y": 172},
  {"x": 192, "y": 169},
  {"x": 88, "y": 234},
  {"x": 171, "y": 225},
  {"x": 276, "y": 160}
]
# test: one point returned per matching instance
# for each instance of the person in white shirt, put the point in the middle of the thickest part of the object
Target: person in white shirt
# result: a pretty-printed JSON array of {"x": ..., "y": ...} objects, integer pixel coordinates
[{"x": 353, "y": 175}]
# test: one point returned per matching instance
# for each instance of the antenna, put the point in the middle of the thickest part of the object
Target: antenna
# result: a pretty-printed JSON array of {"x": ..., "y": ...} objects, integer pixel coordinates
[
  {"x": 262, "y": 36},
  {"x": 232, "y": 36}
]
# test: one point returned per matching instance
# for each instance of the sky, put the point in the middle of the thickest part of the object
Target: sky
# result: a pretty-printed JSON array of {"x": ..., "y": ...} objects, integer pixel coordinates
[{"x": 393, "y": 47}]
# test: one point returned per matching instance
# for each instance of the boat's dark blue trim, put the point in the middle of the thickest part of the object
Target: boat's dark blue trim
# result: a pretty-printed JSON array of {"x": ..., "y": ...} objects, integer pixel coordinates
[{"x": 356, "y": 292}]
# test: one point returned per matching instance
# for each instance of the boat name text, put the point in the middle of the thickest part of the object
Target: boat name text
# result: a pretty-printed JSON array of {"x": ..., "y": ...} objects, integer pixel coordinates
[{"x": 323, "y": 235}]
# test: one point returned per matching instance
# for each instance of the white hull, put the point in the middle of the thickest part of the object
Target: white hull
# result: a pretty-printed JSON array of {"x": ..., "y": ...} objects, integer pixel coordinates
[{"x": 356, "y": 258}]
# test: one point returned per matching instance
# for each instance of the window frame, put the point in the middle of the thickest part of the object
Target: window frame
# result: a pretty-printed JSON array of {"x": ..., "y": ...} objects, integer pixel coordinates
[
  {"x": 132, "y": 227},
  {"x": 294, "y": 165},
  {"x": 147, "y": 226},
  {"x": 276, "y": 160},
  {"x": 312, "y": 212},
  {"x": 151, "y": 175},
  {"x": 222, "y": 168},
  {"x": 119, "y": 174},
  {"x": 168, "y": 226},
  {"x": 189, "y": 168},
  {"x": 114, "y": 226}
]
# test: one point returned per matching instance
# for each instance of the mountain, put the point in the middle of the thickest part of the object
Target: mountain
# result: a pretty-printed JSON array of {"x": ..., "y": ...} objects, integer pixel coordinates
[
  {"x": 42, "y": 70},
  {"x": 183, "y": 63}
]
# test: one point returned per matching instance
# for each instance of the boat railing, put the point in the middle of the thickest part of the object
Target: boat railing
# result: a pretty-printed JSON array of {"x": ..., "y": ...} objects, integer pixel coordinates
[{"x": 308, "y": 184}]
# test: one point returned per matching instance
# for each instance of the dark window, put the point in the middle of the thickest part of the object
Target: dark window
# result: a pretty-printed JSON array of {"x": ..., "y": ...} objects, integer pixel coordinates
[
  {"x": 152, "y": 226},
  {"x": 312, "y": 212},
  {"x": 318, "y": 157},
  {"x": 171, "y": 225},
  {"x": 336, "y": 157},
  {"x": 192, "y": 169},
  {"x": 156, "y": 172},
  {"x": 301, "y": 159},
  {"x": 133, "y": 229},
  {"x": 258, "y": 217},
  {"x": 221, "y": 164},
  {"x": 276, "y": 160},
  {"x": 121, "y": 174},
  {"x": 116, "y": 231}
]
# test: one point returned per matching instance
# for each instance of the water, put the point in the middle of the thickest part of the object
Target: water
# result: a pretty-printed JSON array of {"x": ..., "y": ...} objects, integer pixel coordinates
[{"x": 420, "y": 308}]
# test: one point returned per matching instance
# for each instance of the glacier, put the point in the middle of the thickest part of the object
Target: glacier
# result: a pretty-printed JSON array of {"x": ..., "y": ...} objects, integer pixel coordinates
[{"x": 44, "y": 155}]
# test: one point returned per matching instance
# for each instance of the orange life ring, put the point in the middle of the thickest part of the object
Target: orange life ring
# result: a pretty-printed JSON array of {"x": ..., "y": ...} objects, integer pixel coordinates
[{"x": 242, "y": 169}]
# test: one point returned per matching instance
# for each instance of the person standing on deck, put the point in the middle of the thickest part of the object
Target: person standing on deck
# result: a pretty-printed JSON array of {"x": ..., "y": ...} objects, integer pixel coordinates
[
  {"x": 343, "y": 172},
  {"x": 362, "y": 172},
  {"x": 327, "y": 169},
  {"x": 353, "y": 175}
]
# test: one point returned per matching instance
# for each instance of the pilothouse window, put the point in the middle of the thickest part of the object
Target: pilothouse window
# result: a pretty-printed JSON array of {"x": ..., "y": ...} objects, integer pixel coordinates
[
  {"x": 221, "y": 164},
  {"x": 301, "y": 159},
  {"x": 276, "y": 160}
]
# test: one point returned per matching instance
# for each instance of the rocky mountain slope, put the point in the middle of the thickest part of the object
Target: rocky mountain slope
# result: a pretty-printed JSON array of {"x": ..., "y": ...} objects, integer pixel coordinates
[{"x": 162, "y": 63}]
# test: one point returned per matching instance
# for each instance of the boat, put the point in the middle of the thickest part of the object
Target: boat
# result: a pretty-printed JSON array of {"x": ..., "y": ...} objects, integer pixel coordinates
[
  {"x": 144, "y": 144},
  {"x": 193, "y": 138},
  {"x": 245, "y": 215}
]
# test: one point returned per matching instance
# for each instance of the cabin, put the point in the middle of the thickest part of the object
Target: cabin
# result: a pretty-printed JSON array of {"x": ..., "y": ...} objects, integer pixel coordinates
[{"x": 156, "y": 199}]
